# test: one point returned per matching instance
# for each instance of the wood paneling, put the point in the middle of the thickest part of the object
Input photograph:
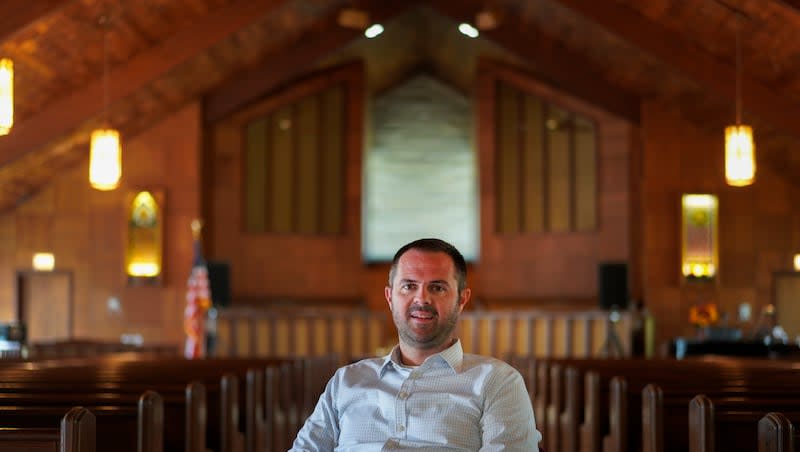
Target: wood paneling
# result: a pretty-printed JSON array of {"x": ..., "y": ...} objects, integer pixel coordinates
[
  {"x": 556, "y": 261},
  {"x": 84, "y": 229},
  {"x": 756, "y": 238},
  {"x": 285, "y": 262}
]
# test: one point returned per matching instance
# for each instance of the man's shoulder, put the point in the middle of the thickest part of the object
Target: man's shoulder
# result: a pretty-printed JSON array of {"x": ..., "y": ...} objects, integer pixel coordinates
[
  {"x": 363, "y": 365},
  {"x": 472, "y": 360}
]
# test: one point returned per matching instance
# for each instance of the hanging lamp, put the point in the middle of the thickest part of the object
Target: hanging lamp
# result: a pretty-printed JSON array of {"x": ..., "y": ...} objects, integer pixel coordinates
[
  {"x": 740, "y": 149},
  {"x": 6, "y": 95},
  {"x": 105, "y": 156}
]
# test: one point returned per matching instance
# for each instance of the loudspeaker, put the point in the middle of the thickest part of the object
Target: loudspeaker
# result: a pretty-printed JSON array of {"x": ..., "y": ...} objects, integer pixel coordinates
[
  {"x": 219, "y": 282},
  {"x": 612, "y": 285}
]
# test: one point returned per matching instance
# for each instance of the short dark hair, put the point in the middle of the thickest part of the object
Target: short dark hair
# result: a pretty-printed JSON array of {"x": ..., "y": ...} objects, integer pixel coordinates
[{"x": 434, "y": 246}]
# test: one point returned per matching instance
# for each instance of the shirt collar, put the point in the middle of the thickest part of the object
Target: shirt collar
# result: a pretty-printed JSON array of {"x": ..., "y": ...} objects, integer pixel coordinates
[{"x": 452, "y": 357}]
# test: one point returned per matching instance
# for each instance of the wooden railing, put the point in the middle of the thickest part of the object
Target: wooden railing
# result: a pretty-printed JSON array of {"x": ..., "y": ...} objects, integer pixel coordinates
[
  {"x": 353, "y": 333},
  {"x": 544, "y": 333}
]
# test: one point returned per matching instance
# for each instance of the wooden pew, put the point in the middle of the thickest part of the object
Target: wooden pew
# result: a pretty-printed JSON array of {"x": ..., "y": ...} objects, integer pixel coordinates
[
  {"x": 76, "y": 434},
  {"x": 776, "y": 433},
  {"x": 109, "y": 384},
  {"x": 721, "y": 377},
  {"x": 150, "y": 423},
  {"x": 196, "y": 415}
]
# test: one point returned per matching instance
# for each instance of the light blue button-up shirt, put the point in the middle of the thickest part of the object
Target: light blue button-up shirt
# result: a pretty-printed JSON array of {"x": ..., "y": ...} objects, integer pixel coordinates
[{"x": 452, "y": 402}]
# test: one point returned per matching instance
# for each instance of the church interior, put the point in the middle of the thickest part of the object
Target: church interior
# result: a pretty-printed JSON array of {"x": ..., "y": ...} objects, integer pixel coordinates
[{"x": 619, "y": 175}]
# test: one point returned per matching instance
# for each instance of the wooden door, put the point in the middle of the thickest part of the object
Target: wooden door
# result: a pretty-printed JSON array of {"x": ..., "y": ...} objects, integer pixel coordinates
[
  {"x": 44, "y": 305},
  {"x": 787, "y": 302}
]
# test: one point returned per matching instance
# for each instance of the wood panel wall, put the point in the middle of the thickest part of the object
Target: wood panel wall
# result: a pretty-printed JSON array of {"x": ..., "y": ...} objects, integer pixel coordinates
[
  {"x": 758, "y": 225},
  {"x": 85, "y": 229},
  {"x": 759, "y": 232}
]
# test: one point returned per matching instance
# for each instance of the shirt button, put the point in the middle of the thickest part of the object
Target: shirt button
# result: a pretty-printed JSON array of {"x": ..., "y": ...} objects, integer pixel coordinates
[
  {"x": 400, "y": 428},
  {"x": 403, "y": 395}
]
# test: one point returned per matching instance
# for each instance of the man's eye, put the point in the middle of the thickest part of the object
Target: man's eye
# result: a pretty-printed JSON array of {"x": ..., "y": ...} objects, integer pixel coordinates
[
  {"x": 438, "y": 289},
  {"x": 407, "y": 287}
]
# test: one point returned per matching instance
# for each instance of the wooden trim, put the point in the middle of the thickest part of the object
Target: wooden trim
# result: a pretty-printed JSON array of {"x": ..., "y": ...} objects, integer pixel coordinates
[
  {"x": 693, "y": 61},
  {"x": 292, "y": 61},
  {"x": 65, "y": 114},
  {"x": 554, "y": 61}
]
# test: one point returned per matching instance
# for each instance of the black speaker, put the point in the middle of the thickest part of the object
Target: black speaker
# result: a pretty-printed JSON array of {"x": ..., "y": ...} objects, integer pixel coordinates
[
  {"x": 612, "y": 285},
  {"x": 219, "y": 281}
]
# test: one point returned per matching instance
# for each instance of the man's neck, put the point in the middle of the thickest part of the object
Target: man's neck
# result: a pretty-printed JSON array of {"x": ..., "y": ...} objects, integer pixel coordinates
[{"x": 411, "y": 356}]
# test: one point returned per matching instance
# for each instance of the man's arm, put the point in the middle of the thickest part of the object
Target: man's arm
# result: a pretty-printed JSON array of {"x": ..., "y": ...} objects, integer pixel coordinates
[
  {"x": 320, "y": 432},
  {"x": 508, "y": 422}
]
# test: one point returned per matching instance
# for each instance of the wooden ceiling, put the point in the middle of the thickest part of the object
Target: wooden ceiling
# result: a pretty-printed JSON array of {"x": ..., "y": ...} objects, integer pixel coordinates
[{"x": 163, "y": 54}]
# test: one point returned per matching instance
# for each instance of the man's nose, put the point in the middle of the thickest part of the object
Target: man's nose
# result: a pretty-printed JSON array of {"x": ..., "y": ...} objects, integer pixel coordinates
[{"x": 421, "y": 296}]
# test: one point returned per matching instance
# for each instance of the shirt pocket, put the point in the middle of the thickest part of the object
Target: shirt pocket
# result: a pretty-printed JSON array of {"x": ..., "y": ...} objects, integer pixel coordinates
[
  {"x": 444, "y": 418},
  {"x": 362, "y": 419}
]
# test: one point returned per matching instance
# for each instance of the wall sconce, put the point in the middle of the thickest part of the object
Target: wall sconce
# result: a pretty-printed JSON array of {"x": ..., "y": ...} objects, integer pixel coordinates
[
  {"x": 143, "y": 253},
  {"x": 44, "y": 262},
  {"x": 699, "y": 249},
  {"x": 6, "y": 95},
  {"x": 797, "y": 262}
]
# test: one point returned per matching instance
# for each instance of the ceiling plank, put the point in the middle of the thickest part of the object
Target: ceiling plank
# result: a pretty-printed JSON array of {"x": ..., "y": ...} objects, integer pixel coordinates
[
  {"x": 18, "y": 15},
  {"x": 551, "y": 61},
  {"x": 793, "y": 4},
  {"x": 695, "y": 63},
  {"x": 68, "y": 112},
  {"x": 292, "y": 61}
]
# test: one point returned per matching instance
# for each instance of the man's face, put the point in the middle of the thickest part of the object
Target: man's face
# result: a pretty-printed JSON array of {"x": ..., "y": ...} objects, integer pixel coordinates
[{"x": 424, "y": 299}]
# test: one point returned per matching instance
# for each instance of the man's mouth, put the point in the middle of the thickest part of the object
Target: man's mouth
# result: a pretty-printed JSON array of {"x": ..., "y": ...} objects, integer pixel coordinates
[{"x": 421, "y": 314}]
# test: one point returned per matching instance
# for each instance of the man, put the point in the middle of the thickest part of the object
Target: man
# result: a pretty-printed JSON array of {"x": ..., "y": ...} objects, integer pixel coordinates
[{"x": 426, "y": 395}]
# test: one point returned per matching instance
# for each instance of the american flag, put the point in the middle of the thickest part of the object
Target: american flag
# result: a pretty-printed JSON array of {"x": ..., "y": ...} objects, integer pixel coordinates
[{"x": 198, "y": 300}]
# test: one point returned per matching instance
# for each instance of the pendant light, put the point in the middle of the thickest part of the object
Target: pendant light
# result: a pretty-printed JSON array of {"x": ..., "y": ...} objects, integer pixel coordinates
[
  {"x": 6, "y": 95},
  {"x": 105, "y": 160},
  {"x": 740, "y": 149}
]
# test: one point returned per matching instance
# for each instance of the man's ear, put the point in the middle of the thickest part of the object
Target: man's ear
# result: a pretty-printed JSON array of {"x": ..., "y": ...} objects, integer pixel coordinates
[
  {"x": 387, "y": 293},
  {"x": 464, "y": 297}
]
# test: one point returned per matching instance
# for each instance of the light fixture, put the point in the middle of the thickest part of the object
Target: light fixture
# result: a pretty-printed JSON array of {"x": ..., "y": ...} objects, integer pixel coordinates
[
  {"x": 468, "y": 30},
  {"x": 373, "y": 30},
  {"x": 358, "y": 19},
  {"x": 740, "y": 149},
  {"x": 6, "y": 95},
  {"x": 797, "y": 262},
  {"x": 105, "y": 160},
  {"x": 44, "y": 262},
  {"x": 489, "y": 18}
]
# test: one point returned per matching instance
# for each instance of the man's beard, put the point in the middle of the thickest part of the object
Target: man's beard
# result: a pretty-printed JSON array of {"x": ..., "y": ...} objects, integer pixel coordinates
[{"x": 432, "y": 338}]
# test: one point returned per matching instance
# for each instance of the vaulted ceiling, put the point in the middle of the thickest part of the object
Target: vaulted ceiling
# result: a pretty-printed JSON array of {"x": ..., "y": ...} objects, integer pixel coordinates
[{"x": 162, "y": 54}]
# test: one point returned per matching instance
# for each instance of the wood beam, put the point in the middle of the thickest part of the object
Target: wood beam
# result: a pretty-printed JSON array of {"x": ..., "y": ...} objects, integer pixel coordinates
[
  {"x": 793, "y": 4},
  {"x": 557, "y": 65},
  {"x": 695, "y": 63},
  {"x": 68, "y": 112},
  {"x": 292, "y": 61},
  {"x": 18, "y": 15}
]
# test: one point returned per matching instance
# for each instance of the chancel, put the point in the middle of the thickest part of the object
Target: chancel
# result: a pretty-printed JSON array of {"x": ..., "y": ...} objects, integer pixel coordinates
[{"x": 306, "y": 141}]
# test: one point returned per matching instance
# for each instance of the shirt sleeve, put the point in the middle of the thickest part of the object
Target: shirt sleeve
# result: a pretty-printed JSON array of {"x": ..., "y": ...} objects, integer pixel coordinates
[
  {"x": 508, "y": 422},
  {"x": 320, "y": 433}
]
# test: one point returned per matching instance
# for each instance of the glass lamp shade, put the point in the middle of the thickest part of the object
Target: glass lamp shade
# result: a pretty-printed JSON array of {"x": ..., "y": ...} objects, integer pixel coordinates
[
  {"x": 740, "y": 161},
  {"x": 105, "y": 161},
  {"x": 6, "y": 95}
]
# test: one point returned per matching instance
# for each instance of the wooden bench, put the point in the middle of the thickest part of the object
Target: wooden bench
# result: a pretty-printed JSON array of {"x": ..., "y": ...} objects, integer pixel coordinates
[
  {"x": 776, "y": 433},
  {"x": 111, "y": 386},
  {"x": 75, "y": 434},
  {"x": 559, "y": 385}
]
